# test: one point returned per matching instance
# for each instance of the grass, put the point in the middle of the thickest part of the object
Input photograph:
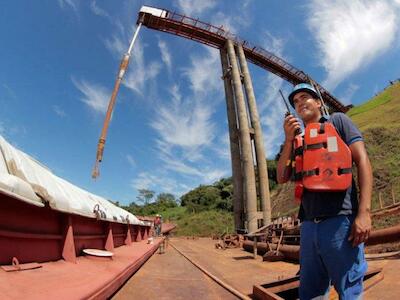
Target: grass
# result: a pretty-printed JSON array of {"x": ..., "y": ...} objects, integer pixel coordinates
[
  {"x": 379, "y": 122},
  {"x": 373, "y": 103},
  {"x": 385, "y": 221},
  {"x": 205, "y": 223},
  {"x": 173, "y": 214},
  {"x": 381, "y": 111}
]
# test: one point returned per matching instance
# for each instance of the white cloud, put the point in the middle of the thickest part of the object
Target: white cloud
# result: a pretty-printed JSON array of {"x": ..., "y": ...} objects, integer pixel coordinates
[
  {"x": 184, "y": 131},
  {"x": 273, "y": 44},
  {"x": 229, "y": 19},
  {"x": 227, "y": 22},
  {"x": 272, "y": 113},
  {"x": 204, "y": 73},
  {"x": 246, "y": 3},
  {"x": 223, "y": 148},
  {"x": 349, "y": 92},
  {"x": 116, "y": 46},
  {"x": 94, "y": 95},
  {"x": 71, "y": 3},
  {"x": 8, "y": 130},
  {"x": 182, "y": 166},
  {"x": 165, "y": 54},
  {"x": 193, "y": 8},
  {"x": 183, "y": 122},
  {"x": 139, "y": 75},
  {"x": 207, "y": 174},
  {"x": 158, "y": 183},
  {"x": 211, "y": 176},
  {"x": 233, "y": 22},
  {"x": 131, "y": 160},
  {"x": 10, "y": 92},
  {"x": 98, "y": 10},
  {"x": 271, "y": 106},
  {"x": 175, "y": 164},
  {"x": 2, "y": 128},
  {"x": 59, "y": 111},
  {"x": 139, "y": 72},
  {"x": 350, "y": 34},
  {"x": 143, "y": 181}
]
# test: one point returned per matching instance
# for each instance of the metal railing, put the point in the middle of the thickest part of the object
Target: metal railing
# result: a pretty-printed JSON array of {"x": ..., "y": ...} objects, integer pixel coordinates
[{"x": 216, "y": 37}]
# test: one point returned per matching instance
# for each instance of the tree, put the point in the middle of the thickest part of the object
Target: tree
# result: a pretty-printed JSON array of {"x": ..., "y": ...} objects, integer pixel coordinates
[
  {"x": 272, "y": 173},
  {"x": 201, "y": 198},
  {"x": 145, "y": 196},
  {"x": 115, "y": 202},
  {"x": 166, "y": 200}
]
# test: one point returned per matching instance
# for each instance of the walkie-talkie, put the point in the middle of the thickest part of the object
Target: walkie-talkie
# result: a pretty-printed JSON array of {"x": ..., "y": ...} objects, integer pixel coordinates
[
  {"x": 295, "y": 163},
  {"x": 298, "y": 130}
]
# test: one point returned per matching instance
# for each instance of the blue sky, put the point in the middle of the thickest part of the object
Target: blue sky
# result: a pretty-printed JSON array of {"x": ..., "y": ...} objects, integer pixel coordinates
[{"x": 169, "y": 130}]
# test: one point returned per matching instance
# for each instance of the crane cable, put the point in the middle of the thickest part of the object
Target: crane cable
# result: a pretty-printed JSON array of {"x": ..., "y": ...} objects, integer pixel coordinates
[
  {"x": 122, "y": 69},
  {"x": 325, "y": 110}
]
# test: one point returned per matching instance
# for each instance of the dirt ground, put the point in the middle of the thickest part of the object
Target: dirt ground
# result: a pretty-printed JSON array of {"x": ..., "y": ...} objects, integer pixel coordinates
[{"x": 172, "y": 276}]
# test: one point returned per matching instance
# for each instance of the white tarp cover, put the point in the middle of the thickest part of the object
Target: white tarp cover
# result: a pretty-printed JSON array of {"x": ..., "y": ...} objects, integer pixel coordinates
[{"x": 24, "y": 177}]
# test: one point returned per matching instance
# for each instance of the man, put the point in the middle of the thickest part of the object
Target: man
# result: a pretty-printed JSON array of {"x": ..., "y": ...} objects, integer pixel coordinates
[
  {"x": 334, "y": 224},
  {"x": 158, "y": 224}
]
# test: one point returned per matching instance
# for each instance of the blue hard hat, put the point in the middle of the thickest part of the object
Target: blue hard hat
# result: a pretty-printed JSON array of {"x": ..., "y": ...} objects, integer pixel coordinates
[{"x": 302, "y": 87}]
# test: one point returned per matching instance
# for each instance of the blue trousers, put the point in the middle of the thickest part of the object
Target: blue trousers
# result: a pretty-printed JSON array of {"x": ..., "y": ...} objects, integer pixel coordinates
[{"x": 327, "y": 257}]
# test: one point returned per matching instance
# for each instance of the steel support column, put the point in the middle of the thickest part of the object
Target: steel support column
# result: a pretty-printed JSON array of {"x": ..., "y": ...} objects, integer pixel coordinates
[
  {"x": 245, "y": 143},
  {"x": 237, "y": 177},
  {"x": 258, "y": 138}
]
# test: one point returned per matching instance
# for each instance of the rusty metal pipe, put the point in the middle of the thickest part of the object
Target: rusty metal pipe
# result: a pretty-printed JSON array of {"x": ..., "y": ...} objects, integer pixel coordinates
[
  {"x": 289, "y": 251},
  {"x": 386, "y": 235}
]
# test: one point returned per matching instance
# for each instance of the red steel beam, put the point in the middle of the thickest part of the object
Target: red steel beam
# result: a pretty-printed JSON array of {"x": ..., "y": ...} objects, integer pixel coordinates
[{"x": 216, "y": 37}]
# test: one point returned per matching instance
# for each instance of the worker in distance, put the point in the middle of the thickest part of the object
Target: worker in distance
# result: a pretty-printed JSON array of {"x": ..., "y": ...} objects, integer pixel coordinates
[{"x": 336, "y": 220}]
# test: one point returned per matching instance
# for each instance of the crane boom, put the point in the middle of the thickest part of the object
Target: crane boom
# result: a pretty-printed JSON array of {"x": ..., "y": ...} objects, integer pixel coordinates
[{"x": 121, "y": 72}]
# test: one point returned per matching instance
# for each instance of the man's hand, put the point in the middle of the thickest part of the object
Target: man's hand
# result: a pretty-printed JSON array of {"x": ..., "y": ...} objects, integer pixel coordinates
[
  {"x": 361, "y": 228},
  {"x": 362, "y": 224},
  {"x": 290, "y": 125}
]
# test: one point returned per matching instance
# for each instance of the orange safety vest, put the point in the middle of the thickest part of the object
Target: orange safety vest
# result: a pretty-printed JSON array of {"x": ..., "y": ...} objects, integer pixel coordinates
[{"x": 322, "y": 160}]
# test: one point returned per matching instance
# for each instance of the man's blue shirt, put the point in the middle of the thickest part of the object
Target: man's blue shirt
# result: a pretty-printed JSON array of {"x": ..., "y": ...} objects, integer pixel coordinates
[{"x": 328, "y": 204}]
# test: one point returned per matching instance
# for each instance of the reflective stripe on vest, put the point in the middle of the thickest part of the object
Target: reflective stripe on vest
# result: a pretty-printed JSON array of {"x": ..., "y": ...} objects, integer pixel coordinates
[{"x": 298, "y": 170}]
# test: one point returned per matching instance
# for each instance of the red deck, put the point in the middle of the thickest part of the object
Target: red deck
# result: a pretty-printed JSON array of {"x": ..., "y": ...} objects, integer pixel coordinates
[
  {"x": 89, "y": 278},
  {"x": 55, "y": 240}
]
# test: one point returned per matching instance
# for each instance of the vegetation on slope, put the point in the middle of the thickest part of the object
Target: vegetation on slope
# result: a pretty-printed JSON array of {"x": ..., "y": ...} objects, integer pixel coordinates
[
  {"x": 203, "y": 211},
  {"x": 379, "y": 121}
]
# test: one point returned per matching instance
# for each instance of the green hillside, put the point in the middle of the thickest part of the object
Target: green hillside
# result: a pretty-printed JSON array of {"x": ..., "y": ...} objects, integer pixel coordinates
[
  {"x": 381, "y": 111},
  {"x": 204, "y": 223},
  {"x": 379, "y": 121},
  {"x": 203, "y": 211}
]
